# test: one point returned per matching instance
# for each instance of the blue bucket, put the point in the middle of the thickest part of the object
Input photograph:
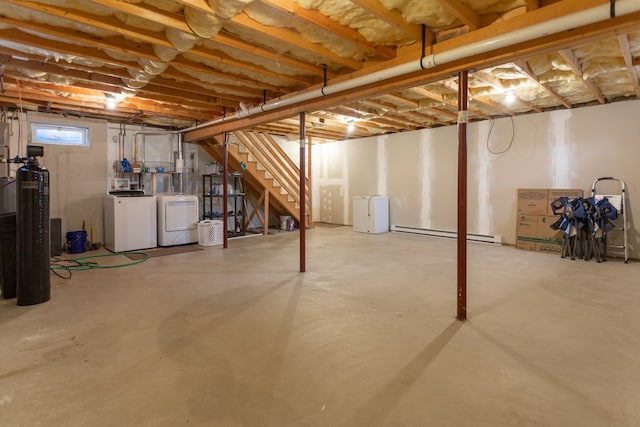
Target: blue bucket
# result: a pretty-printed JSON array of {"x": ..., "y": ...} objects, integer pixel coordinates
[{"x": 76, "y": 241}]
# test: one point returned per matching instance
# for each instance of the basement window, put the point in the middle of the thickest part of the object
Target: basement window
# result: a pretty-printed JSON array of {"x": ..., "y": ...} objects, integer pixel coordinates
[{"x": 42, "y": 133}]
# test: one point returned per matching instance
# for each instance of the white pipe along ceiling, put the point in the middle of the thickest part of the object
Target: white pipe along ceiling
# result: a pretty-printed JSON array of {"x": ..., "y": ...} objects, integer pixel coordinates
[{"x": 564, "y": 23}]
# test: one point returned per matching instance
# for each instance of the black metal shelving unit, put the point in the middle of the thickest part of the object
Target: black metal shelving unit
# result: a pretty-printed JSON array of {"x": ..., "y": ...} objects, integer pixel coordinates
[{"x": 212, "y": 201}]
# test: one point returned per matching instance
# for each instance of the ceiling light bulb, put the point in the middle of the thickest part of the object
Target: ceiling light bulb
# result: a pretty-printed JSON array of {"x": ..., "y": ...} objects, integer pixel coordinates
[
  {"x": 351, "y": 127},
  {"x": 111, "y": 102},
  {"x": 510, "y": 96}
]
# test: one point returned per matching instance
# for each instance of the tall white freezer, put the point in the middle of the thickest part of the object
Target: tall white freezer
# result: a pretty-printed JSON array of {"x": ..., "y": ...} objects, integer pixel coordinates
[{"x": 371, "y": 214}]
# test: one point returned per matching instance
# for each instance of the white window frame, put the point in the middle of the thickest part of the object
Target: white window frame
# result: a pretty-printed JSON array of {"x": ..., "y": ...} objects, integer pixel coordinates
[{"x": 75, "y": 136}]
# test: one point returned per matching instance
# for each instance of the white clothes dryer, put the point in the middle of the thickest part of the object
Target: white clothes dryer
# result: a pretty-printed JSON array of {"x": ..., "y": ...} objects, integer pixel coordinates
[{"x": 177, "y": 219}]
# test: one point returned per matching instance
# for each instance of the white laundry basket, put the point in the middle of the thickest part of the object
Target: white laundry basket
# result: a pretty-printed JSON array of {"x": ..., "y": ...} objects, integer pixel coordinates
[{"x": 210, "y": 232}]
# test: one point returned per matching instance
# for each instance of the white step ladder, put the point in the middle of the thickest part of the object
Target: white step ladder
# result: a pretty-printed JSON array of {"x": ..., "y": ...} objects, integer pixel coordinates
[{"x": 616, "y": 193}]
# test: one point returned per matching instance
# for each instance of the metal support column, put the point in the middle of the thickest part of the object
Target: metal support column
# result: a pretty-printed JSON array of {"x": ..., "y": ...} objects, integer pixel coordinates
[
  {"x": 302, "y": 222},
  {"x": 310, "y": 175},
  {"x": 225, "y": 182},
  {"x": 463, "y": 118}
]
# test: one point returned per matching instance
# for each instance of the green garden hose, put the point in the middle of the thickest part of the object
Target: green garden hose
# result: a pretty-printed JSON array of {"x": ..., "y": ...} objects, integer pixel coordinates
[{"x": 79, "y": 263}]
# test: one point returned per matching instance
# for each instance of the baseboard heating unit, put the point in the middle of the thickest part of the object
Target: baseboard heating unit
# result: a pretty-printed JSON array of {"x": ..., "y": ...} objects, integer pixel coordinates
[{"x": 481, "y": 238}]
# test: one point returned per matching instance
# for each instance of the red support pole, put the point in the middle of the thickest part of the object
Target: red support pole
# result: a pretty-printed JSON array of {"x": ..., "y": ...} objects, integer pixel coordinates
[
  {"x": 302, "y": 222},
  {"x": 225, "y": 182},
  {"x": 463, "y": 118}
]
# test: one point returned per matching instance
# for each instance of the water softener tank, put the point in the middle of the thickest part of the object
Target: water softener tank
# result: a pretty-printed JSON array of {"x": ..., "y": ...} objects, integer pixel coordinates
[{"x": 32, "y": 215}]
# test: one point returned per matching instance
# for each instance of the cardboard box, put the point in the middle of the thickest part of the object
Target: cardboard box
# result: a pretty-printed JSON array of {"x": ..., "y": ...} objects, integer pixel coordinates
[
  {"x": 532, "y": 201},
  {"x": 544, "y": 230},
  {"x": 526, "y": 245},
  {"x": 534, "y": 233},
  {"x": 527, "y": 226},
  {"x": 549, "y": 247},
  {"x": 526, "y": 230},
  {"x": 554, "y": 193}
]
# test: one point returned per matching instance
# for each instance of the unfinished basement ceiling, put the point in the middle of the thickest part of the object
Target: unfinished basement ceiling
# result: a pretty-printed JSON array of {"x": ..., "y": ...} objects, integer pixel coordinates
[{"x": 179, "y": 63}]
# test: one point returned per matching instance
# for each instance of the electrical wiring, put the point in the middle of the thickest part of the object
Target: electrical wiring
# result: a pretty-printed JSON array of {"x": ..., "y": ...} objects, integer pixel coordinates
[
  {"x": 513, "y": 135},
  {"x": 81, "y": 263}
]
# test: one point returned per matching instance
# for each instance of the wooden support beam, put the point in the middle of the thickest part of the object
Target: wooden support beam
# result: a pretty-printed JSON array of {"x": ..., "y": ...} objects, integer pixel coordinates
[
  {"x": 266, "y": 211},
  {"x": 464, "y": 13},
  {"x": 292, "y": 38},
  {"x": 526, "y": 69},
  {"x": 317, "y": 19},
  {"x": 623, "y": 41},
  {"x": 573, "y": 62},
  {"x": 532, "y": 4},
  {"x": 543, "y": 44},
  {"x": 255, "y": 208},
  {"x": 392, "y": 17}
]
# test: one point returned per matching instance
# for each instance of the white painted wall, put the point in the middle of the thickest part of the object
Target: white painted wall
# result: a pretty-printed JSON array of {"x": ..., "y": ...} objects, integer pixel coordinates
[
  {"x": 77, "y": 175},
  {"x": 418, "y": 170},
  {"x": 81, "y": 176}
]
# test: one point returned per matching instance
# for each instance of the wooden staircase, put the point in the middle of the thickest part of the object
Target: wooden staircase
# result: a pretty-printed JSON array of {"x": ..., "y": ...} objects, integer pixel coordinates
[{"x": 271, "y": 177}]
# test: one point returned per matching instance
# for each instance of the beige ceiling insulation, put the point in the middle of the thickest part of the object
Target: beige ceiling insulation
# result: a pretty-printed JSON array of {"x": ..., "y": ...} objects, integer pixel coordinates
[{"x": 177, "y": 63}]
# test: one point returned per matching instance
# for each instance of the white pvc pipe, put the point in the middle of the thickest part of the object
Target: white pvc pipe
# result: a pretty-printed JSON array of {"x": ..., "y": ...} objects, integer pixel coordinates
[
  {"x": 564, "y": 23},
  {"x": 180, "y": 160}
]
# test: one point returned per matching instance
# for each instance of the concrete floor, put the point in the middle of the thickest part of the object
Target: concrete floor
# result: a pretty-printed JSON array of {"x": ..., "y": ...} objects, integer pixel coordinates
[{"x": 367, "y": 337}]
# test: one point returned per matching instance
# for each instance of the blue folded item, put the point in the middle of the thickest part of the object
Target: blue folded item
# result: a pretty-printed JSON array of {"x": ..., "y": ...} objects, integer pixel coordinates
[
  {"x": 559, "y": 205},
  {"x": 126, "y": 166},
  {"x": 607, "y": 226},
  {"x": 578, "y": 208},
  {"x": 607, "y": 209}
]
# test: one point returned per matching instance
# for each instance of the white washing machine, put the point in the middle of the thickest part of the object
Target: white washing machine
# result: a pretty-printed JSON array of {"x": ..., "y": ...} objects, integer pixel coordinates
[
  {"x": 177, "y": 219},
  {"x": 130, "y": 221}
]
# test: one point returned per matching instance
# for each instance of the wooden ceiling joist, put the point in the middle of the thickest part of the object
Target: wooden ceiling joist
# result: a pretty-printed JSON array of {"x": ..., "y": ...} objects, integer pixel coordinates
[
  {"x": 573, "y": 62},
  {"x": 285, "y": 36},
  {"x": 60, "y": 49},
  {"x": 623, "y": 41},
  {"x": 317, "y": 19},
  {"x": 51, "y": 49},
  {"x": 393, "y": 18},
  {"x": 464, "y": 13},
  {"x": 105, "y": 23},
  {"x": 525, "y": 68}
]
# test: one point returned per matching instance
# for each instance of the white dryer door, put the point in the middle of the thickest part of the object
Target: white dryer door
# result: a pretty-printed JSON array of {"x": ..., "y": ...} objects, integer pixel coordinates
[{"x": 181, "y": 215}]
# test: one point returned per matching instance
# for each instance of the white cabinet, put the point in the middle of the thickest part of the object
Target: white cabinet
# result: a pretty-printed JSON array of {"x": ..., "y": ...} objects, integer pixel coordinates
[{"x": 371, "y": 214}]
